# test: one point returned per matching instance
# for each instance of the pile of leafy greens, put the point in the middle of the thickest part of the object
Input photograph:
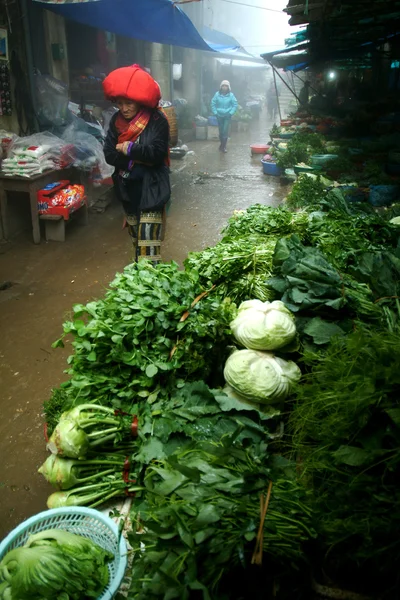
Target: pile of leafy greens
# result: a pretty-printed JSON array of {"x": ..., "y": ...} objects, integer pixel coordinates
[
  {"x": 299, "y": 150},
  {"x": 154, "y": 329},
  {"x": 198, "y": 520},
  {"x": 241, "y": 263}
]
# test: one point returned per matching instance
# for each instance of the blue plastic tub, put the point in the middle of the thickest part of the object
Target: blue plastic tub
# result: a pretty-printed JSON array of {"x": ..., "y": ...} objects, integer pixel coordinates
[
  {"x": 271, "y": 168},
  {"x": 383, "y": 195},
  {"x": 213, "y": 121}
]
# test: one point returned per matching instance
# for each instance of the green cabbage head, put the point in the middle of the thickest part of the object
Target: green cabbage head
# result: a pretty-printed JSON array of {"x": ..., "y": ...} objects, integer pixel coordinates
[
  {"x": 260, "y": 377},
  {"x": 263, "y": 325}
]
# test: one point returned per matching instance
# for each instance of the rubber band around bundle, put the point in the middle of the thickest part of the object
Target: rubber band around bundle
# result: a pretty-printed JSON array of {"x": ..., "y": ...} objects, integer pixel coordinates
[
  {"x": 126, "y": 472},
  {"x": 135, "y": 421}
]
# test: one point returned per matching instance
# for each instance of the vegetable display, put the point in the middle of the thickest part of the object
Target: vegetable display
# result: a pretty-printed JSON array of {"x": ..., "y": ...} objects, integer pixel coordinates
[
  {"x": 250, "y": 470},
  {"x": 54, "y": 564}
]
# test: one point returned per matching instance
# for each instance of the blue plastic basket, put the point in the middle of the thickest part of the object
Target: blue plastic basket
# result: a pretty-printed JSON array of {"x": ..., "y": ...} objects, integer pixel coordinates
[
  {"x": 271, "y": 168},
  {"x": 86, "y": 522}
]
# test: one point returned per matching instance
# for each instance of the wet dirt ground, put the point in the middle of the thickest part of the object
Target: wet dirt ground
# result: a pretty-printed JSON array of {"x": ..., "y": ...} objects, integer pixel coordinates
[{"x": 49, "y": 278}]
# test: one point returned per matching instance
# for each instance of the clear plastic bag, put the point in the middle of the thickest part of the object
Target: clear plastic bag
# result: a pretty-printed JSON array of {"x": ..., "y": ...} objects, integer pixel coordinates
[
  {"x": 89, "y": 155},
  {"x": 28, "y": 156},
  {"x": 7, "y": 139},
  {"x": 52, "y": 101}
]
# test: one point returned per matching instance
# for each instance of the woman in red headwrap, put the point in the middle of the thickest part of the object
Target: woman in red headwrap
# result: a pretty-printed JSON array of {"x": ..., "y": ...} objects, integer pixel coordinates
[{"x": 137, "y": 146}]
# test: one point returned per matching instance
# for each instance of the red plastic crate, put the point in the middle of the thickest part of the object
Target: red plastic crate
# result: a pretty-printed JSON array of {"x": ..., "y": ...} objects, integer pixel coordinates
[{"x": 44, "y": 199}]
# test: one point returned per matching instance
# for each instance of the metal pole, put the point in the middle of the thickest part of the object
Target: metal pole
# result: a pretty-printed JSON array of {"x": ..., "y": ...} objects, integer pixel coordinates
[
  {"x": 277, "y": 97},
  {"x": 281, "y": 78},
  {"x": 294, "y": 84}
]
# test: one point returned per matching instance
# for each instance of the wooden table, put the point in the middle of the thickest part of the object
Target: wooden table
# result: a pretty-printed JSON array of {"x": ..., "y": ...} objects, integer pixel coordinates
[{"x": 31, "y": 186}]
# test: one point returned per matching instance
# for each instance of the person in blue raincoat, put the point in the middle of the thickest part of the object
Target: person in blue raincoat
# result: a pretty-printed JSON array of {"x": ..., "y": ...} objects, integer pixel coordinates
[{"x": 224, "y": 105}]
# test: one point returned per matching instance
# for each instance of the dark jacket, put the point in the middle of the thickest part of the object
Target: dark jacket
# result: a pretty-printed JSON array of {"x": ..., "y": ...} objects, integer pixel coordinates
[{"x": 147, "y": 187}]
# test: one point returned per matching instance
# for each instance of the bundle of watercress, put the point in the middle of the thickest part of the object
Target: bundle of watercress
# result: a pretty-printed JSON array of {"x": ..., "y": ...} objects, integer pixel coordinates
[{"x": 151, "y": 330}]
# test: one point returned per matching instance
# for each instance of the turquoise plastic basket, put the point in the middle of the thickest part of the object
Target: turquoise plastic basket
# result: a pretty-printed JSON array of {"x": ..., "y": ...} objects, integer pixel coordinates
[{"x": 86, "y": 522}]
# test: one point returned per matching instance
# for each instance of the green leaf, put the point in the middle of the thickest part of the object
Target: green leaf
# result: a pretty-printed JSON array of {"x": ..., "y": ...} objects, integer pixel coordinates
[
  {"x": 322, "y": 331},
  {"x": 201, "y": 536},
  {"x": 151, "y": 371},
  {"x": 351, "y": 456},
  {"x": 150, "y": 450},
  {"x": 207, "y": 515},
  {"x": 394, "y": 414},
  {"x": 58, "y": 344},
  {"x": 92, "y": 356}
]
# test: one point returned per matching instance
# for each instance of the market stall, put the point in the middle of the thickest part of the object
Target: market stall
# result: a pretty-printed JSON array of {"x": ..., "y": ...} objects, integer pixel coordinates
[{"x": 205, "y": 395}]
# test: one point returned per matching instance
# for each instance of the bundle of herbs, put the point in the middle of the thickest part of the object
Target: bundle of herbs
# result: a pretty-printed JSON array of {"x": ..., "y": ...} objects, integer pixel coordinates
[
  {"x": 241, "y": 263},
  {"x": 345, "y": 435},
  {"x": 259, "y": 219},
  {"x": 154, "y": 327},
  {"x": 307, "y": 192},
  {"x": 237, "y": 267}
]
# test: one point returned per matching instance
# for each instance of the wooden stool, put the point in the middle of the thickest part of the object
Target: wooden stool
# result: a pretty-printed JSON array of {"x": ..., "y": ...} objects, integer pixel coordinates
[{"x": 55, "y": 224}]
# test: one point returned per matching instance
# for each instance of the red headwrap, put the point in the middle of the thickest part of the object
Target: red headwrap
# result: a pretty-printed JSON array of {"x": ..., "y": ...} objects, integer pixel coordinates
[{"x": 133, "y": 83}]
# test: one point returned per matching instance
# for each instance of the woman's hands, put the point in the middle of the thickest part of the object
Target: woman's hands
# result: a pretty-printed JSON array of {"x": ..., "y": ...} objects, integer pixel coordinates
[{"x": 123, "y": 148}]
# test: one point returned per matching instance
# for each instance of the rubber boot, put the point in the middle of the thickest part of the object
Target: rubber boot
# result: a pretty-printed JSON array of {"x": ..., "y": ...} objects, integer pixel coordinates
[{"x": 224, "y": 143}]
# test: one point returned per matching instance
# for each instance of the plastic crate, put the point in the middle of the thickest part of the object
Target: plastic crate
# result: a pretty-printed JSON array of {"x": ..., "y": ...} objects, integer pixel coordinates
[{"x": 86, "y": 522}]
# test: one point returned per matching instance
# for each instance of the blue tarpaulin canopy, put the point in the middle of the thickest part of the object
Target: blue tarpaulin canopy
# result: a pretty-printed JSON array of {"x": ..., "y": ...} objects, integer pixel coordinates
[
  {"x": 159, "y": 21},
  {"x": 227, "y": 46}
]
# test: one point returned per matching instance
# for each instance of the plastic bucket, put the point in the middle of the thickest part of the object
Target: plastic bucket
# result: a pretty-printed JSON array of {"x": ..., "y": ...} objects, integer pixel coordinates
[
  {"x": 271, "y": 168},
  {"x": 259, "y": 148}
]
